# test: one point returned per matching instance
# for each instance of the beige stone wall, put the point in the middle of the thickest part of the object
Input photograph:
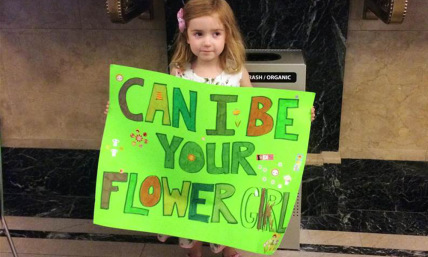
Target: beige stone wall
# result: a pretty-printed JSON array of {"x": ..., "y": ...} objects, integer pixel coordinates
[
  {"x": 385, "y": 98},
  {"x": 54, "y": 63}
]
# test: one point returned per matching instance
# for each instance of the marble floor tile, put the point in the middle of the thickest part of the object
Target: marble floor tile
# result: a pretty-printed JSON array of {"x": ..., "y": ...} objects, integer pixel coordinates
[
  {"x": 30, "y": 235},
  {"x": 165, "y": 250},
  {"x": 285, "y": 253},
  {"x": 64, "y": 225},
  {"x": 71, "y": 248},
  {"x": 330, "y": 238},
  {"x": 37, "y": 255},
  {"x": 372, "y": 240},
  {"x": 156, "y": 250},
  {"x": 4, "y": 246},
  {"x": 394, "y": 241},
  {"x": 58, "y": 247}
]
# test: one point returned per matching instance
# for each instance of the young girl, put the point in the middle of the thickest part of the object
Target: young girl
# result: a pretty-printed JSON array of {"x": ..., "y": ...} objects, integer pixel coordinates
[{"x": 209, "y": 49}]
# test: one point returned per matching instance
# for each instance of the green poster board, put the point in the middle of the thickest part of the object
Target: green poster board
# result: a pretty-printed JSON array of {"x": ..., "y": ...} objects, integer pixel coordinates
[{"x": 211, "y": 163}]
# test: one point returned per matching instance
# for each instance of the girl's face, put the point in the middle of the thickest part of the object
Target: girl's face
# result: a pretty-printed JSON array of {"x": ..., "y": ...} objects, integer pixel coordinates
[{"x": 206, "y": 37}]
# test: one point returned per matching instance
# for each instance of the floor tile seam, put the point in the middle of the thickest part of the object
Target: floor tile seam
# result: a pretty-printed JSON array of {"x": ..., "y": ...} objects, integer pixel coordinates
[{"x": 142, "y": 250}]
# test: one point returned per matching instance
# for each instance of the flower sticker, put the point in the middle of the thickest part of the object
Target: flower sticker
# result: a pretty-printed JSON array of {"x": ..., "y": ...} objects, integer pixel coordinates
[
  {"x": 287, "y": 180},
  {"x": 275, "y": 172},
  {"x": 119, "y": 77}
]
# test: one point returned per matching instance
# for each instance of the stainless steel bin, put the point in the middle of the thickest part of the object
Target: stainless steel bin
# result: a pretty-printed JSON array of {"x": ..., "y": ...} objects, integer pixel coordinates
[
  {"x": 277, "y": 68},
  {"x": 283, "y": 69}
]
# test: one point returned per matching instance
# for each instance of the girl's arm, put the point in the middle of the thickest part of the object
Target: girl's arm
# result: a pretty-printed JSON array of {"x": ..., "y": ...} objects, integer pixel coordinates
[{"x": 245, "y": 80}]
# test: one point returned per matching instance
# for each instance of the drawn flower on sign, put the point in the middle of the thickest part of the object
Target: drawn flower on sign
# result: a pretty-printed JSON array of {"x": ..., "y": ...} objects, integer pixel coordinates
[
  {"x": 139, "y": 138},
  {"x": 236, "y": 113}
]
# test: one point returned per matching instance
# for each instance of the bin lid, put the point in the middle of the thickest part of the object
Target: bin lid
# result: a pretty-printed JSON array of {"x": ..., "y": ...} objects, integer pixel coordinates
[{"x": 289, "y": 56}]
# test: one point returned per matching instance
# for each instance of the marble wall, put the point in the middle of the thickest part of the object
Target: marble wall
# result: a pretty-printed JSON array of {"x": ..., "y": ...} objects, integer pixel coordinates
[
  {"x": 385, "y": 100},
  {"x": 380, "y": 185},
  {"x": 54, "y": 64},
  {"x": 373, "y": 196}
]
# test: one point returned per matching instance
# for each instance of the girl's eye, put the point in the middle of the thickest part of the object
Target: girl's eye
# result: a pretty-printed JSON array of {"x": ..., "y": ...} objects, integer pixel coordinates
[
  {"x": 216, "y": 34},
  {"x": 198, "y": 34}
]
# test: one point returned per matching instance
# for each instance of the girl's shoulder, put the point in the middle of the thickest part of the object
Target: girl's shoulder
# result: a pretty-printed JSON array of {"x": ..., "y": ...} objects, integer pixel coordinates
[{"x": 245, "y": 78}]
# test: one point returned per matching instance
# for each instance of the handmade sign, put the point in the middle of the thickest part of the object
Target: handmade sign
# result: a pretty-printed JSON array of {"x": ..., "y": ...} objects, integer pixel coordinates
[{"x": 211, "y": 163}]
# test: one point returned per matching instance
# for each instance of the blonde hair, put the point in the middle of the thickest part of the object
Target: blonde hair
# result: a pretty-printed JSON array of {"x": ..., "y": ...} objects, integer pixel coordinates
[{"x": 232, "y": 58}]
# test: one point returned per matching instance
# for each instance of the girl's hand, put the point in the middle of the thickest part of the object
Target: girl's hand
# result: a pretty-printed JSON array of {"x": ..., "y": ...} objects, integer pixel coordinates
[
  {"x": 107, "y": 106},
  {"x": 312, "y": 114},
  {"x": 176, "y": 72}
]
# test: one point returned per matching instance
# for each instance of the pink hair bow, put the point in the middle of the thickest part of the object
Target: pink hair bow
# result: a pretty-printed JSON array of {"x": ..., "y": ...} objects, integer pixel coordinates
[{"x": 181, "y": 22}]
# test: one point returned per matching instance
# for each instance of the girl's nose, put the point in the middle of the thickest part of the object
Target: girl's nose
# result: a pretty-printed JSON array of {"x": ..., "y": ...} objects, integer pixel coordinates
[{"x": 207, "y": 41}]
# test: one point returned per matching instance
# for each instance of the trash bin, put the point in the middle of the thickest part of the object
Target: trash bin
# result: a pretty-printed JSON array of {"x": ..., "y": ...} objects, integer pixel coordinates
[
  {"x": 277, "y": 68},
  {"x": 282, "y": 69}
]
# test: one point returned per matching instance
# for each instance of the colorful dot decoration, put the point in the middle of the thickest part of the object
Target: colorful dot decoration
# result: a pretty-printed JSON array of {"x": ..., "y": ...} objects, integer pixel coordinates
[
  {"x": 272, "y": 175},
  {"x": 191, "y": 157}
]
